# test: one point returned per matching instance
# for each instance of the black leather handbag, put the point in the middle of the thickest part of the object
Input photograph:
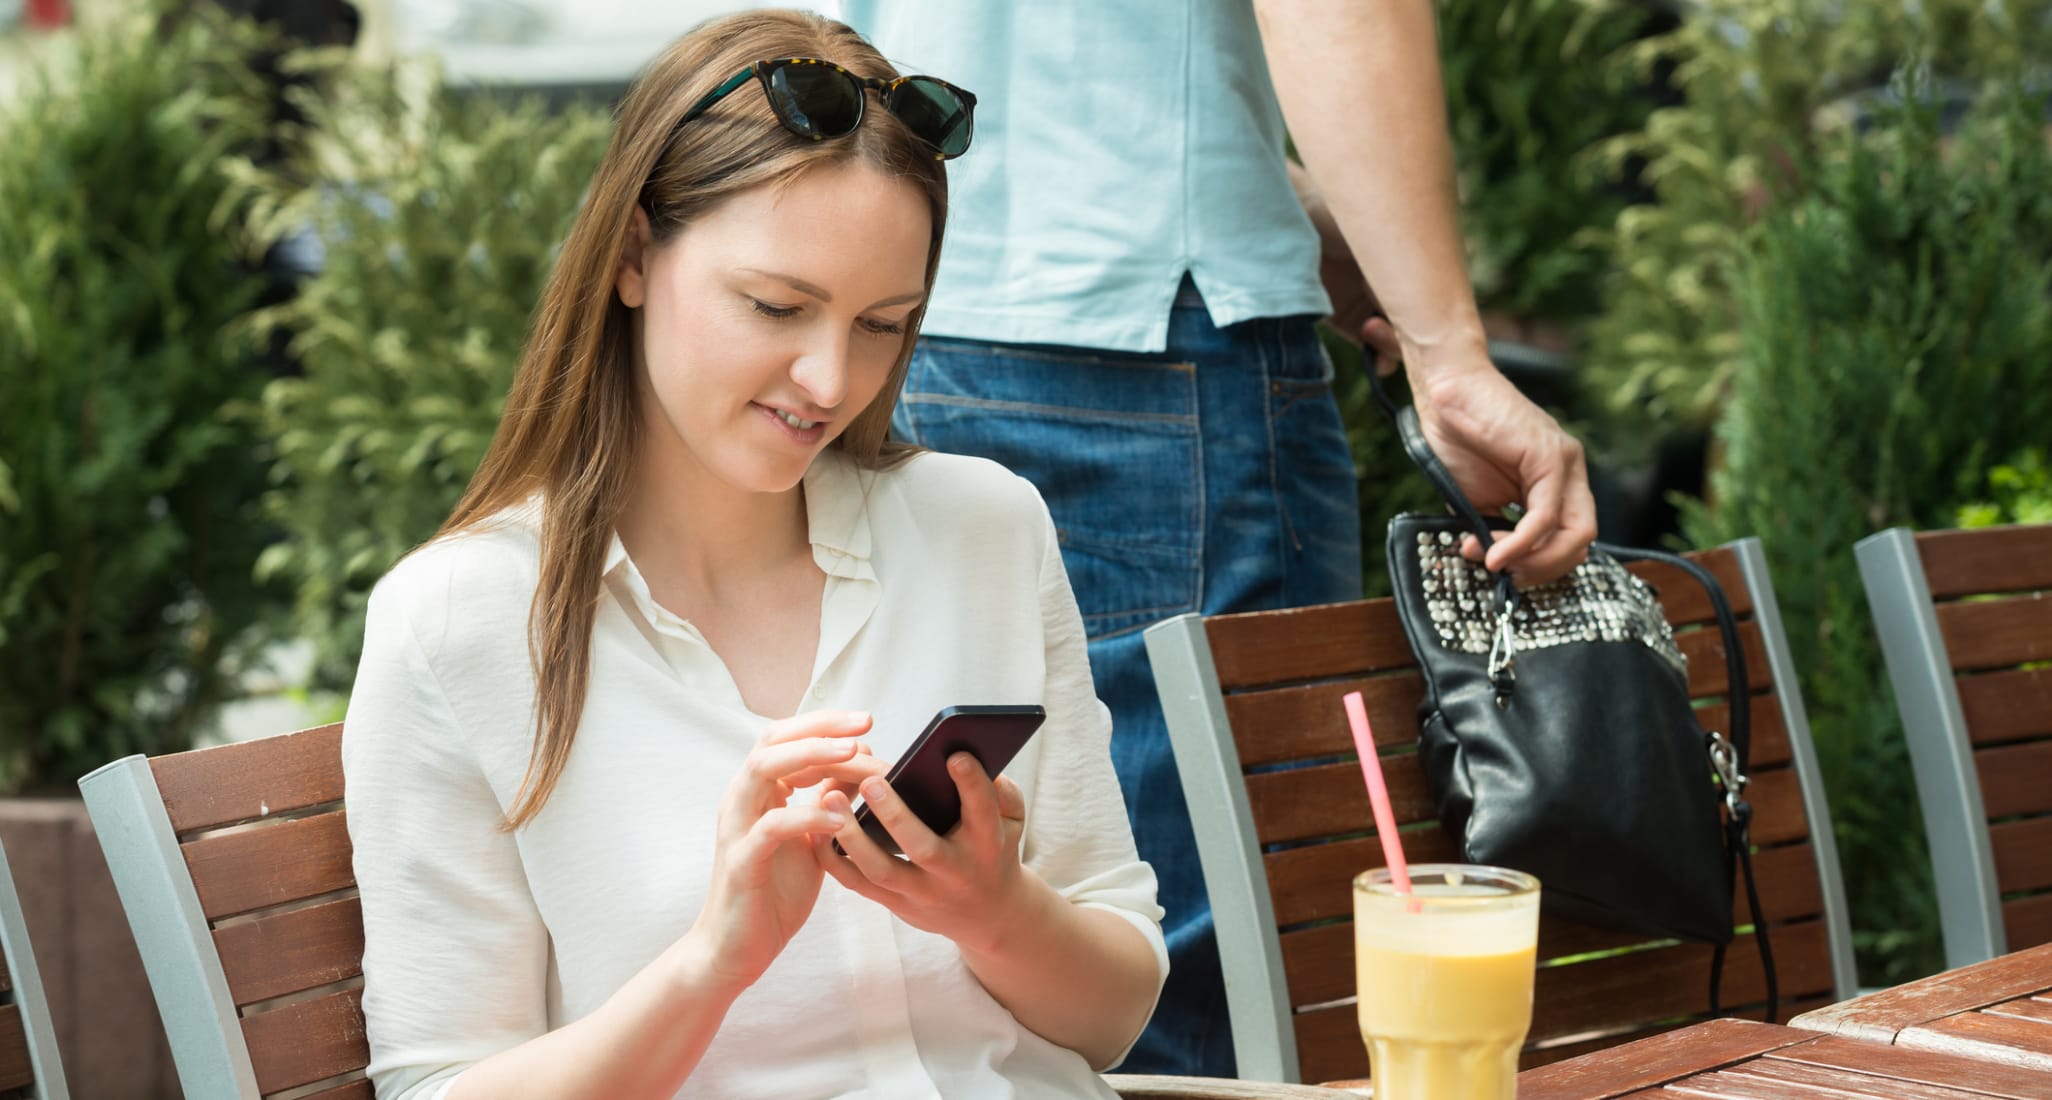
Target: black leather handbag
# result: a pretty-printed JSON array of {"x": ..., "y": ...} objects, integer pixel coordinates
[{"x": 1557, "y": 734}]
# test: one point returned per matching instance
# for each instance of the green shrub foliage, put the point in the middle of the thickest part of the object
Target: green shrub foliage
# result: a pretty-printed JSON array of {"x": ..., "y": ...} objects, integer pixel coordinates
[
  {"x": 1759, "y": 78},
  {"x": 1893, "y": 345},
  {"x": 439, "y": 214},
  {"x": 2019, "y": 492},
  {"x": 1534, "y": 87},
  {"x": 128, "y": 496}
]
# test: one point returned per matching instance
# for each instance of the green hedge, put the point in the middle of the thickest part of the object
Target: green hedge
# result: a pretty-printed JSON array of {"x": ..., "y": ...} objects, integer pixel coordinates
[
  {"x": 438, "y": 214},
  {"x": 1893, "y": 345},
  {"x": 128, "y": 518},
  {"x": 1759, "y": 78},
  {"x": 1534, "y": 88}
]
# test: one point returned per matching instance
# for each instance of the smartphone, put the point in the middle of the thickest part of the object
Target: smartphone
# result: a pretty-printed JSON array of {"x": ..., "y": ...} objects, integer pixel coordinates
[{"x": 993, "y": 735}]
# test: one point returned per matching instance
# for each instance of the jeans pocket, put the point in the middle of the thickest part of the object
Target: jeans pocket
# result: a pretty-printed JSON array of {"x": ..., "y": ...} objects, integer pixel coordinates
[{"x": 1110, "y": 440}]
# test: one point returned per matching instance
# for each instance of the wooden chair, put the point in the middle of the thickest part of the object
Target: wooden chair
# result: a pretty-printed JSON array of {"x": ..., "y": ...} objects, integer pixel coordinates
[
  {"x": 1283, "y": 826},
  {"x": 1965, "y": 621},
  {"x": 233, "y": 866},
  {"x": 29, "y": 1066}
]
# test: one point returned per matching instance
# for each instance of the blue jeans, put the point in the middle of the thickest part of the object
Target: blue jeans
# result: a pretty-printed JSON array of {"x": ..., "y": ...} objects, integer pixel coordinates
[{"x": 1212, "y": 476}]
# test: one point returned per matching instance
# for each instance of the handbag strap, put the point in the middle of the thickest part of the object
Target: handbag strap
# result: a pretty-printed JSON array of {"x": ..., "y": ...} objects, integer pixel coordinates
[{"x": 1730, "y": 759}]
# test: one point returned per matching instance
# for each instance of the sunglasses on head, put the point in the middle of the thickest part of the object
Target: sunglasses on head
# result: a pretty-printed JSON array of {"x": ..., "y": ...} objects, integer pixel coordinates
[{"x": 819, "y": 99}]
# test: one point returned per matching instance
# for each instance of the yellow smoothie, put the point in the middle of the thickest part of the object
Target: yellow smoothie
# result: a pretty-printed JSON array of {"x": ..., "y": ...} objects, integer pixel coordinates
[{"x": 1445, "y": 992}]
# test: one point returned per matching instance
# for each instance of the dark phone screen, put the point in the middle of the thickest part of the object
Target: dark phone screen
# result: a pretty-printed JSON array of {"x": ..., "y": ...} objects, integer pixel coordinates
[{"x": 993, "y": 735}]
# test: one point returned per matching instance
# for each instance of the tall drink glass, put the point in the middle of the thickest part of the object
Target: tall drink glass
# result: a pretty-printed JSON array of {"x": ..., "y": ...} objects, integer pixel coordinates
[{"x": 1446, "y": 979}]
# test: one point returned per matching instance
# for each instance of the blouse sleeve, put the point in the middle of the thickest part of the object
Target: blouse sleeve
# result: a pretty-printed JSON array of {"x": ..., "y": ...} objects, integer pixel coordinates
[
  {"x": 455, "y": 955},
  {"x": 1077, "y": 836}
]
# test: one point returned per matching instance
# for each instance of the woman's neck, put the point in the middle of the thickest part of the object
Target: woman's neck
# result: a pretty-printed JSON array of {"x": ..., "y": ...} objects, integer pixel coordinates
[{"x": 689, "y": 532}]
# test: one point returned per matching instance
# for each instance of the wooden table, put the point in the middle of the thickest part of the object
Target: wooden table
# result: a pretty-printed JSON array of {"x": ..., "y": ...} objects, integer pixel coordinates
[
  {"x": 1999, "y": 1011},
  {"x": 1743, "y": 1060}
]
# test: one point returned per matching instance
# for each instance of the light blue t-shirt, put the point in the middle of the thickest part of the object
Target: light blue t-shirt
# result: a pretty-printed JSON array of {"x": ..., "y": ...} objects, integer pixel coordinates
[{"x": 1119, "y": 144}]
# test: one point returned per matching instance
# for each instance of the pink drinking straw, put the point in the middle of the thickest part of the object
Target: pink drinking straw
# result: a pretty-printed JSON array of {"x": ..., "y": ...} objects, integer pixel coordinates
[{"x": 1378, "y": 795}]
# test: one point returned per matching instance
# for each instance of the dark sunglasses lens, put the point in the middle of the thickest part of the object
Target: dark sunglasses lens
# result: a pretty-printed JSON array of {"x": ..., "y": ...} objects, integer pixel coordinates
[
  {"x": 933, "y": 112},
  {"x": 815, "y": 100}
]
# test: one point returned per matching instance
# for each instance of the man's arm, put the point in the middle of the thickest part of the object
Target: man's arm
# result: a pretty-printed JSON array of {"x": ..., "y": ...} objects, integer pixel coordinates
[{"x": 1359, "y": 84}]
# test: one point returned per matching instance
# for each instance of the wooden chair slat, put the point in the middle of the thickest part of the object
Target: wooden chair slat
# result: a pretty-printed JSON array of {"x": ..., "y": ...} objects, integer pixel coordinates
[
  {"x": 1315, "y": 882},
  {"x": 307, "y": 1041},
  {"x": 1985, "y": 560},
  {"x": 1997, "y": 633},
  {"x": 351, "y": 1090},
  {"x": 1261, "y": 648},
  {"x": 2023, "y": 854},
  {"x": 238, "y": 872},
  {"x": 1308, "y": 721},
  {"x": 1769, "y": 733},
  {"x": 1329, "y": 800},
  {"x": 2028, "y": 920},
  {"x": 1789, "y": 891},
  {"x": 1705, "y": 651},
  {"x": 1318, "y": 962},
  {"x": 283, "y": 953},
  {"x": 2009, "y": 705},
  {"x": 1626, "y": 989},
  {"x": 1683, "y": 599},
  {"x": 248, "y": 780},
  {"x": 2015, "y": 779},
  {"x": 17, "y": 1071},
  {"x": 1329, "y": 1045},
  {"x": 1777, "y": 798}
]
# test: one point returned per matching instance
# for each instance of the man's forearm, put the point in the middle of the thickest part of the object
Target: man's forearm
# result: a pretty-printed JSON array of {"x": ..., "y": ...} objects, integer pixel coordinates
[{"x": 1359, "y": 83}]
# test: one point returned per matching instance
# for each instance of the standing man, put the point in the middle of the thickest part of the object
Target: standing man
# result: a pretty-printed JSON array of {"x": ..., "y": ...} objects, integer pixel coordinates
[{"x": 1125, "y": 315}]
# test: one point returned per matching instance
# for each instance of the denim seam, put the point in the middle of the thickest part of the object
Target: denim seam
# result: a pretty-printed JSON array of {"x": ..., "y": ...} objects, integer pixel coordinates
[{"x": 1050, "y": 410}]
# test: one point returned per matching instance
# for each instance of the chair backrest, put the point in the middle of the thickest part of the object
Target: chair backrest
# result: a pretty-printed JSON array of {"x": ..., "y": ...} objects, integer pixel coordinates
[
  {"x": 1283, "y": 826},
  {"x": 233, "y": 865},
  {"x": 29, "y": 1066},
  {"x": 1965, "y": 621}
]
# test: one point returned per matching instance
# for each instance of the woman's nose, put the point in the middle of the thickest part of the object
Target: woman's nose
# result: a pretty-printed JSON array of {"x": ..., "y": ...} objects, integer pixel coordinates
[{"x": 822, "y": 371}]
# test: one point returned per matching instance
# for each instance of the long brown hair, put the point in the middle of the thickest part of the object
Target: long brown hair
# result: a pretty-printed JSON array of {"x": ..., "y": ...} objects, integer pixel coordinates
[{"x": 571, "y": 420}]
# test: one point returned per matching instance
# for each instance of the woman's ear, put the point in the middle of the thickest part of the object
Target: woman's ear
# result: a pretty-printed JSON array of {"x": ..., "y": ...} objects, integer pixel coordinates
[{"x": 631, "y": 281}]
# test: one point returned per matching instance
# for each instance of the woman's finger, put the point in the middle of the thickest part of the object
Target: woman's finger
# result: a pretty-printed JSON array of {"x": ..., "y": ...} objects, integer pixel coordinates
[
  {"x": 817, "y": 723},
  {"x": 979, "y": 799},
  {"x": 773, "y": 763},
  {"x": 915, "y": 840},
  {"x": 862, "y": 853},
  {"x": 848, "y": 773},
  {"x": 780, "y": 826}
]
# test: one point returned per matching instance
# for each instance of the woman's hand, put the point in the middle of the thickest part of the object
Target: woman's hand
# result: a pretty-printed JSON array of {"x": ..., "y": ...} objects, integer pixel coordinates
[
  {"x": 765, "y": 877},
  {"x": 967, "y": 886}
]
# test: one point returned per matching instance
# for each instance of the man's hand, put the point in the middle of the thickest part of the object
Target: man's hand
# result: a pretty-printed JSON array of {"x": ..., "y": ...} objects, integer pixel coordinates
[{"x": 1502, "y": 449}]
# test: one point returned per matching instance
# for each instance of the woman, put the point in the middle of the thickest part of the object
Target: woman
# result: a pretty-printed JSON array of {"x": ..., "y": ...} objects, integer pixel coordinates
[{"x": 609, "y": 723}]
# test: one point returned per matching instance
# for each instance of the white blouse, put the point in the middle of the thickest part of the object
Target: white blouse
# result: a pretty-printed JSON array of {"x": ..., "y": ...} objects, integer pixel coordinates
[{"x": 944, "y": 586}]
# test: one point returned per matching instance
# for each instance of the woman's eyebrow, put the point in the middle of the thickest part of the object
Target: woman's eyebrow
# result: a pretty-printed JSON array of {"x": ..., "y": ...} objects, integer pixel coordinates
[{"x": 803, "y": 287}]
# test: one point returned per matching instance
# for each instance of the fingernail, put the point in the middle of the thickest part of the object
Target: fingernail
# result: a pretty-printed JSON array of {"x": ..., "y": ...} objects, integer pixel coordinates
[
  {"x": 874, "y": 789},
  {"x": 836, "y": 819},
  {"x": 959, "y": 763}
]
